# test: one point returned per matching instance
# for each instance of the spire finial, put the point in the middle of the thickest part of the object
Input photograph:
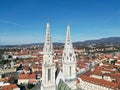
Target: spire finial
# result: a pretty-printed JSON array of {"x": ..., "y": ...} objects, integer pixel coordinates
[
  {"x": 68, "y": 27},
  {"x": 48, "y": 23}
]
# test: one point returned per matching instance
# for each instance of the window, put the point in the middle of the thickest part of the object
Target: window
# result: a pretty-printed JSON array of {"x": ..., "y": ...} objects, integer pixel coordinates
[
  {"x": 67, "y": 57},
  {"x": 49, "y": 74},
  {"x": 70, "y": 54},
  {"x": 64, "y": 54},
  {"x": 70, "y": 71},
  {"x": 74, "y": 58}
]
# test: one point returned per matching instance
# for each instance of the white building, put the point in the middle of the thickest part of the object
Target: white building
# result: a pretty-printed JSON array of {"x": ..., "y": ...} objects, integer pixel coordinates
[
  {"x": 90, "y": 83},
  {"x": 69, "y": 61},
  {"x": 12, "y": 64},
  {"x": 48, "y": 65}
]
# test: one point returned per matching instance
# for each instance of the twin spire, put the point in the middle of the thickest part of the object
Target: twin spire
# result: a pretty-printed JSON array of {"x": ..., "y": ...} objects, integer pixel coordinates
[
  {"x": 48, "y": 46},
  {"x": 68, "y": 59}
]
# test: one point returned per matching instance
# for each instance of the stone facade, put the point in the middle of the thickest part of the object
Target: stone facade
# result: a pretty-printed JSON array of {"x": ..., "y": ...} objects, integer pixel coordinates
[
  {"x": 48, "y": 65},
  {"x": 69, "y": 61}
]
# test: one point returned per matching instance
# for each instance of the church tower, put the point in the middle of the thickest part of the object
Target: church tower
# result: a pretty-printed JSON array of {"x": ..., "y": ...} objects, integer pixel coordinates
[
  {"x": 48, "y": 65},
  {"x": 69, "y": 61}
]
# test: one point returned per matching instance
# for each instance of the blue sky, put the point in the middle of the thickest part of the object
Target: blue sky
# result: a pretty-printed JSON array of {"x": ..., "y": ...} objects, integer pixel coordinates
[{"x": 24, "y": 21}]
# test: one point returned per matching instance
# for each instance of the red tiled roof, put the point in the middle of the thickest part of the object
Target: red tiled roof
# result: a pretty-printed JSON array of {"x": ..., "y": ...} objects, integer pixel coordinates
[
  {"x": 108, "y": 55},
  {"x": 78, "y": 81},
  {"x": 9, "y": 87},
  {"x": 38, "y": 72},
  {"x": 97, "y": 72},
  {"x": 27, "y": 76}
]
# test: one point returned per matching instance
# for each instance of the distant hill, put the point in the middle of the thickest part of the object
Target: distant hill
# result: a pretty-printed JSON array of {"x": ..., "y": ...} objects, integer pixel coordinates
[
  {"x": 112, "y": 40},
  {"x": 109, "y": 40},
  {"x": 32, "y": 44}
]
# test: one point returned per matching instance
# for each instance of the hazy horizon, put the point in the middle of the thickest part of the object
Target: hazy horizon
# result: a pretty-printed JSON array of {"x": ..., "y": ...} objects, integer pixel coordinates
[{"x": 55, "y": 41}]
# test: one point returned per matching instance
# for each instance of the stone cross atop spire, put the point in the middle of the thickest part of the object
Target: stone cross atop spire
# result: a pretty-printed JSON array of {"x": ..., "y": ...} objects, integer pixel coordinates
[{"x": 48, "y": 47}]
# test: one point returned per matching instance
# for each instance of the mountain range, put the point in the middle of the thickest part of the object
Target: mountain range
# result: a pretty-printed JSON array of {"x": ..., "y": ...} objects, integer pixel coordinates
[{"x": 109, "y": 40}]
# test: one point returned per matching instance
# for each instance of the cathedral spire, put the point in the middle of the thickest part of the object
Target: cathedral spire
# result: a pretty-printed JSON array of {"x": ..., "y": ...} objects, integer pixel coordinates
[
  {"x": 68, "y": 43},
  {"x": 68, "y": 52},
  {"x": 69, "y": 61},
  {"x": 48, "y": 47},
  {"x": 48, "y": 65}
]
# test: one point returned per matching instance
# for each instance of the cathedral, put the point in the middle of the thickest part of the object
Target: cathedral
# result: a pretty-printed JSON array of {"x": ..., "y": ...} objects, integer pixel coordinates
[{"x": 68, "y": 72}]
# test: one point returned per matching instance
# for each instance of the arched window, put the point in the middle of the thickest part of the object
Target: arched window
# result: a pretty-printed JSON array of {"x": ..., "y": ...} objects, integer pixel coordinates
[
  {"x": 70, "y": 70},
  {"x": 49, "y": 74}
]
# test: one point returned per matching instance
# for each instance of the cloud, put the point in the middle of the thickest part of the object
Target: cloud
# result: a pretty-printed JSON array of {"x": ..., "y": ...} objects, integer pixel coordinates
[{"x": 10, "y": 22}]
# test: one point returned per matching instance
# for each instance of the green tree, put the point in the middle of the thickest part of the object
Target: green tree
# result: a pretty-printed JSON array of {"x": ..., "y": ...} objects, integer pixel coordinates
[{"x": 30, "y": 86}]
